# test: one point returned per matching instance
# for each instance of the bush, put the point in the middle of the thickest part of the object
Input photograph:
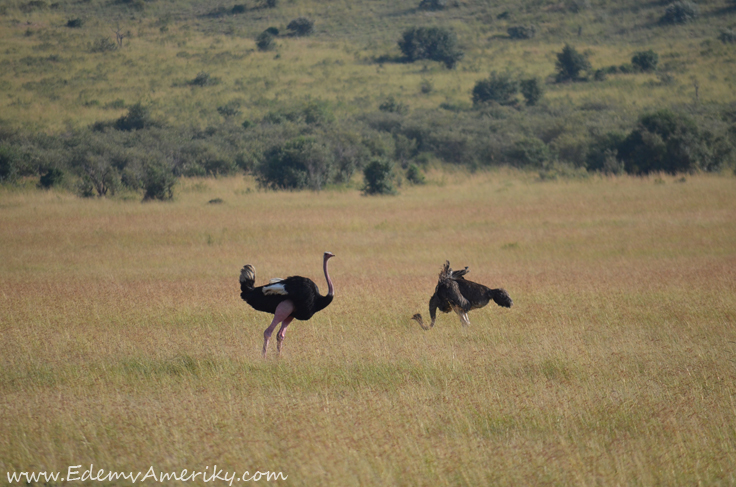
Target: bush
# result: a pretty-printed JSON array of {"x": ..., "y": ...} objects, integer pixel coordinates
[
  {"x": 8, "y": 163},
  {"x": 138, "y": 117},
  {"x": 238, "y": 9},
  {"x": 529, "y": 152},
  {"x": 393, "y": 106},
  {"x": 433, "y": 43},
  {"x": 645, "y": 60},
  {"x": 601, "y": 151},
  {"x": 727, "y": 36},
  {"x": 679, "y": 13},
  {"x": 570, "y": 63},
  {"x": 662, "y": 141},
  {"x": 265, "y": 41},
  {"x": 204, "y": 79},
  {"x": 532, "y": 90},
  {"x": 75, "y": 23},
  {"x": 103, "y": 44},
  {"x": 499, "y": 88},
  {"x": 229, "y": 109},
  {"x": 298, "y": 164},
  {"x": 433, "y": 5},
  {"x": 53, "y": 177},
  {"x": 313, "y": 113},
  {"x": 378, "y": 177},
  {"x": 300, "y": 27},
  {"x": 158, "y": 182},
  {"x": 414, "y": 175},
  {"x": 522, "y": 32}
]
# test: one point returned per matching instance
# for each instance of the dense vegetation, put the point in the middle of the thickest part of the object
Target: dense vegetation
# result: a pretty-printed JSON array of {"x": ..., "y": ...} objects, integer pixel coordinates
[{"x": 305, "y": 95}]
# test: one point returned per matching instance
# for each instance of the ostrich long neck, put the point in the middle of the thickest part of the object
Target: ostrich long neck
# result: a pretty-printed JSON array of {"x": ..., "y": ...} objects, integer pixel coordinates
[{"x": 330, "y": 288}]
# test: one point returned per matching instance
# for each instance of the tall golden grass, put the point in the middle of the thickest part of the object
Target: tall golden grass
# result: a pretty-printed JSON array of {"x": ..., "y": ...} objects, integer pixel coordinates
[{"x": 125, "y": 343}]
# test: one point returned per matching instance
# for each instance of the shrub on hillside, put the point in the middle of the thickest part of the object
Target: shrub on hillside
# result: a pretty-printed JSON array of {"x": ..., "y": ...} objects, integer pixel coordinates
[
  {"x": 414, "y": 175},
  {"x": 103, "y": 44},
  {"x": 378, "y": 178},
  {"x": 671, "y": 142},
  {"x": 522, "y": 32},
  {"x": 8, "y": 163},
  {"x": 499, "y": 88},
  {"x": 265, "y": 41},
  {"x": 298, "y": 164},
  {"x": 53, "y": 177},
  {"x": 532, "y": 90},
  {"x": 158, "y": 182},
  {"x": 300, "y": 27},
  {"x": 138, "y": 117},
  {"x": 570, "y": 63},
  {"x": 203, "y": 78},
  {"x": 433, "y": 43},
  {"x": 602, "y": 154},
  {"x": 392, "y": 106},
  {"x": 434, "y": 5},
  {"x": 727, "y": 36},
  {"x": 529, "y": 152},
  {"x": 230, "y": 109},
  {"x": 315, "y": 112},
  {"x": 645, "y": 60},
  {"x": 679, "y": 13}
]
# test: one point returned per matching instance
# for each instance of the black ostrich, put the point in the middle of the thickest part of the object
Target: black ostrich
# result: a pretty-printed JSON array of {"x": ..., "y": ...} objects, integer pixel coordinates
[
  {"x": 455, "y": 293},
  {"x": 286, "y": 299}
]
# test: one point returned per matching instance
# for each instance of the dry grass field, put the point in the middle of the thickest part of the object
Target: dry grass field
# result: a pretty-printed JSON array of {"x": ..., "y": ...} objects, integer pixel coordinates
[{"x": 125, "y": 343}]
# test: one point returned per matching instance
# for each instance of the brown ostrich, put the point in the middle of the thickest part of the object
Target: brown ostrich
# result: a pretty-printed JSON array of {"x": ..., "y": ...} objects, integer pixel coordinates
[{"x": 455, "y": 293}]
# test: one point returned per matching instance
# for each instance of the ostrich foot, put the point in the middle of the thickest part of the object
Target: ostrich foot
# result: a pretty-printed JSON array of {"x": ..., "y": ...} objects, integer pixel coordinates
[{"x": 279, "y": 342}]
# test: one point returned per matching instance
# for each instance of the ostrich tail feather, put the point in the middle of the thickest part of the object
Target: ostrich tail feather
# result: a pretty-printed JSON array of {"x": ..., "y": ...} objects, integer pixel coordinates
[
  {"x": 247, "y": 277},
  {"x": 501, "y": 298}
]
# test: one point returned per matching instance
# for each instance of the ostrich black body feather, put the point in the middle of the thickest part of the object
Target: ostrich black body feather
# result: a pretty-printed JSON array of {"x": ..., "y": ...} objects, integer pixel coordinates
[
  {"x": 303, "y": 292},
  {"x": 455, "y": 293}
]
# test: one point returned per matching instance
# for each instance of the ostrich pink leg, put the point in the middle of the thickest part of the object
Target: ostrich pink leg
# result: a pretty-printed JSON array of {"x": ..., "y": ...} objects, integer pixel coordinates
[
  {"x": 282, "y": 332},
  {"x": 283, "y": 312}
]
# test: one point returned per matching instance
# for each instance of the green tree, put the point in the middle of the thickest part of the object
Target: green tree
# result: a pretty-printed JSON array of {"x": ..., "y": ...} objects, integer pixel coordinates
[
  {"x": 570, "y": 63},
  {"x": 378, "y": 177},
  {"x": 645, "y": 60},
  {"x": 300, "y": 27},
  {"x": 663, "y": 141},
  {"x": 532, "y": 90},
  {"x": 499, "y": 88},
  {"x": 138, "y": 117},
  {"x": 265, "y": 41},
  {"x": 433, "y": 43},
  {"x": 158, "y": 182},
  {"x": 300, "y": 163},
  {"x": 679, "y": 12}
]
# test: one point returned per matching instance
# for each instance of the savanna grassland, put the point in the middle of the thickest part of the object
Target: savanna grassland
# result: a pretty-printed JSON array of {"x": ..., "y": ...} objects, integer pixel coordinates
[
  {"x": 56, "y": 77},
  {"x": 125, "y": 343}
]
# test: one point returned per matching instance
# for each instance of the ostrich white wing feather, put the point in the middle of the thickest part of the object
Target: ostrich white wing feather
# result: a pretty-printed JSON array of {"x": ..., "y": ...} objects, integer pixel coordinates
[
  {"x": 275, "y": 288},
  {"x": 275, "y": 279}
]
